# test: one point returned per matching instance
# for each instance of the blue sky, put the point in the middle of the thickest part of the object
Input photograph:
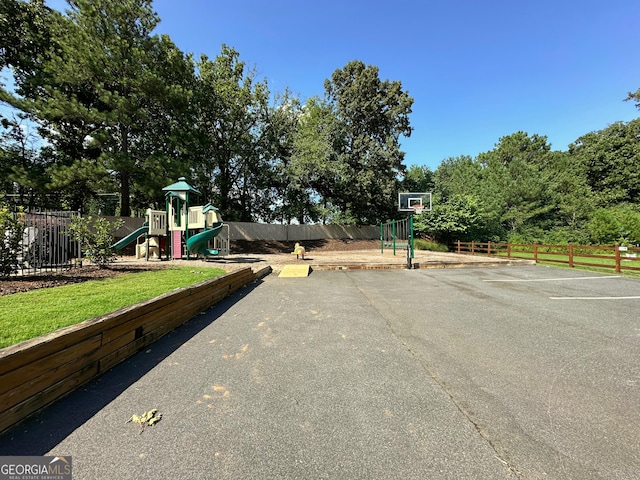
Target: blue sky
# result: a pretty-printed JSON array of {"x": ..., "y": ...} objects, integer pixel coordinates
[{"x": 477, "y": 70}]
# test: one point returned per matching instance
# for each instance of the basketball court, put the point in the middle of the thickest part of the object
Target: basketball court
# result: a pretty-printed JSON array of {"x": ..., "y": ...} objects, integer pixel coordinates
[
  {"x": 374, "y": 374},
  {"x": 489, "y": 373}
]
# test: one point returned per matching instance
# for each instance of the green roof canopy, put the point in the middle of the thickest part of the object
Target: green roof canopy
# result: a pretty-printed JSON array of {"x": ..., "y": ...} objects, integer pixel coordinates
[
  {"x": 180, "y": 186},
  {"x": 208, "y": 208}
]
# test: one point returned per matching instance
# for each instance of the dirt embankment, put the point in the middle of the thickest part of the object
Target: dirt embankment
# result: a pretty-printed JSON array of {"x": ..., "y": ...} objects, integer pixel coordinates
[{"x": 329, "y": 245}]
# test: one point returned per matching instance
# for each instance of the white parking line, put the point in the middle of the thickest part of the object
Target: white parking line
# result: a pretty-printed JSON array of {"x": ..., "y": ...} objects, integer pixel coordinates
[
  {"x": 553, "y": 279},
  {"x": 595, "y": 298}
]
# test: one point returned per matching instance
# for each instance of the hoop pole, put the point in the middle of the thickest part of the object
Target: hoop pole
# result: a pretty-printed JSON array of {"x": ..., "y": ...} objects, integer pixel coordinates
[
  {"x": 393, "y": 235},
  {"x": 411, "y": 236}
]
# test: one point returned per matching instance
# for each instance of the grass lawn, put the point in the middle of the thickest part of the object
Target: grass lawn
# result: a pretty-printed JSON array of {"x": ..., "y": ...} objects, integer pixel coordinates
[{"x": 31, "y": 314}]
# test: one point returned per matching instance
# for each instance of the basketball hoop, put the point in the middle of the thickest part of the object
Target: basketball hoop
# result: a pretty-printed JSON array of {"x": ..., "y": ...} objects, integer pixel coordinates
[
  {"x": 414, "y": 202},
  {"x": 418, "y": 208}
]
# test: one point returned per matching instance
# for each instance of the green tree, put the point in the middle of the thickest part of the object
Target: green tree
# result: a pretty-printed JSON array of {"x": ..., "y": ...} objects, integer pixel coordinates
[
  {"x": 25, "y": 36},
  {"x": 233, "y": 162},
  {"x": 373, "y": 114},
  {"x": 611, "y": 160},
  {"x": 22, "y": 164},
  {"x": 418, "y": 178},
  {"x": 619, "y": 224},
  {"x": 515, "y": 184},
  {"x": 571, "y": 198},
  {"x": 294, "y": 199},
  {"x": 635, "y": 97},
  {"x": 97, "y": 92},
  {"x": 456, "y": 218},
  {"x": 166, "y": 143},
  {"x": 96, "y": 237},
  {"x": 460, "y": 184},
  {"x": 314, "y": 167},
  {"x": 26, "y": 40},
  {"x": 457, "y": 175}
]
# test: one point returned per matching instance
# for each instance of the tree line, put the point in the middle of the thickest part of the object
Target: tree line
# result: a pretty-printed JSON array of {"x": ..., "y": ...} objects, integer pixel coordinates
[
  {"x": 522, "y": 191},
  {"x": 120, "y": 109},
  {"x": 106, "y": 113}
]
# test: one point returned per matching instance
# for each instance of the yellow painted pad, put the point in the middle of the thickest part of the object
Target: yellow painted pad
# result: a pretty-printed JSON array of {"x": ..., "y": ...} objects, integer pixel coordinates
[{"x": 294, "y": 271}]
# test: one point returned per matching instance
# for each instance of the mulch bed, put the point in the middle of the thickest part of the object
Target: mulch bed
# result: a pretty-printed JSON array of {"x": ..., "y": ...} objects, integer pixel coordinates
[{"x": 26, "y": 283}]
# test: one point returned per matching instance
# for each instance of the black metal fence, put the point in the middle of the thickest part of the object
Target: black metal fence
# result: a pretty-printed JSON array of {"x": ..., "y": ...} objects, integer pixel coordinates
[{"x": 46, "y": 243}]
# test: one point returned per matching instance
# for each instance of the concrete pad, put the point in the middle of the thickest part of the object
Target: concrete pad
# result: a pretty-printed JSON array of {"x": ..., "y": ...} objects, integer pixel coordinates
[{"x": 294, "y": 271}]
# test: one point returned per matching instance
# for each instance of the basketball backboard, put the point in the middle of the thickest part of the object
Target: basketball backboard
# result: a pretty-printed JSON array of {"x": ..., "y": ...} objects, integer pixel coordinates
[{"x": 408, "y": 201}]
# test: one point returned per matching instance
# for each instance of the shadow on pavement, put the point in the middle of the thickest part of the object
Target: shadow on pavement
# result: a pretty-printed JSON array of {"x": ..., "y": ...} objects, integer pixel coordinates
[{"x": 42, "y": 432}]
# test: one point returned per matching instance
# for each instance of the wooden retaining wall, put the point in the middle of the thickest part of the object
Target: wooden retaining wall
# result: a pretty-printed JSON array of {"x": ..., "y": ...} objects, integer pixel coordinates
[{"x": 36, "y": 373}]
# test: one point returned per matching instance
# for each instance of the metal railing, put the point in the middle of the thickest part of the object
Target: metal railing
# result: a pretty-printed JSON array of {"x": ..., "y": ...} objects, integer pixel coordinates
[{"x": 46, "y": 243}]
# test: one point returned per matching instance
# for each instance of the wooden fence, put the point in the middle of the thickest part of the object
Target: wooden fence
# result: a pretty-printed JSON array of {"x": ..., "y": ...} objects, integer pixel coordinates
[{"x": 616, "y": 257}]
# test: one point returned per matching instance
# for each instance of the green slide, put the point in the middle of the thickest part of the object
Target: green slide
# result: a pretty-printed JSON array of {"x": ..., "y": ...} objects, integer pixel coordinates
[
  {"x": 198, "y": 243},
  {"x": 131, "y": 237}
]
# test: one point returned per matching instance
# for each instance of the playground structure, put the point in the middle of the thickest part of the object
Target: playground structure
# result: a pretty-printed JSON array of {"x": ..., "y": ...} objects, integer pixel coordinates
[{"x": 181, "y": 230}]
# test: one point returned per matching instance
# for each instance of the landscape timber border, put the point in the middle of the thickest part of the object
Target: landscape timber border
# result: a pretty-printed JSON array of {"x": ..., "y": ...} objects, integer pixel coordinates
[{"x": 38, "y": 372}]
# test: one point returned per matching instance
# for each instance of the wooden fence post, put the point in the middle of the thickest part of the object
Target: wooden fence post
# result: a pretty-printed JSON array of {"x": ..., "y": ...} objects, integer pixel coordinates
[
  {"x": 570, "y": 255},
  {"x": 535, "y": 252},
  {"x": 508, "y": 250},
  {"x": 617, "y": 250},
  {"x": 473, "y": 249},
  {"x": 488, "y": 249},
  {"x": 458, "y": 246}
]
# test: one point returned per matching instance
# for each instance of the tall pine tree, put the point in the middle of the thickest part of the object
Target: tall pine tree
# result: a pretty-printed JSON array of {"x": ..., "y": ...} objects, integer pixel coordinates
[{"x": 99, "y": 90}]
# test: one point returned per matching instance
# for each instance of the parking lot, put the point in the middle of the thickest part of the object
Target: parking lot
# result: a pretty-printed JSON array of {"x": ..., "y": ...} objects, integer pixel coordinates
[{"x": 504, "y": 372}]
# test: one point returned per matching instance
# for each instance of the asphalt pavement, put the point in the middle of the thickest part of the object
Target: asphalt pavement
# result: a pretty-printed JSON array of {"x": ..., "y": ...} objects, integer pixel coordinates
[{"x": 491, "y": 373}]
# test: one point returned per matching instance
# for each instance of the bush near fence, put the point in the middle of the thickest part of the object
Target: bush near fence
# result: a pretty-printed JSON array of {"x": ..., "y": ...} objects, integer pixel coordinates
[{"x": 616, "y": 257}]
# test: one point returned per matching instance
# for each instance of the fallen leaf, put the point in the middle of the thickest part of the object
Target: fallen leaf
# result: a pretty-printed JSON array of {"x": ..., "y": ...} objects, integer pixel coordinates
[{"x": 149, "y": 418}]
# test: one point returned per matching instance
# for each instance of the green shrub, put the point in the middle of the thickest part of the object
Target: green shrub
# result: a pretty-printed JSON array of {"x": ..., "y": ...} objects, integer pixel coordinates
[
  {"x": 96, "y": 237},
  {"x": 619, "y": 224},
  {"x": 11, "y": 229},
  {"x": 423, "y": 244}
]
